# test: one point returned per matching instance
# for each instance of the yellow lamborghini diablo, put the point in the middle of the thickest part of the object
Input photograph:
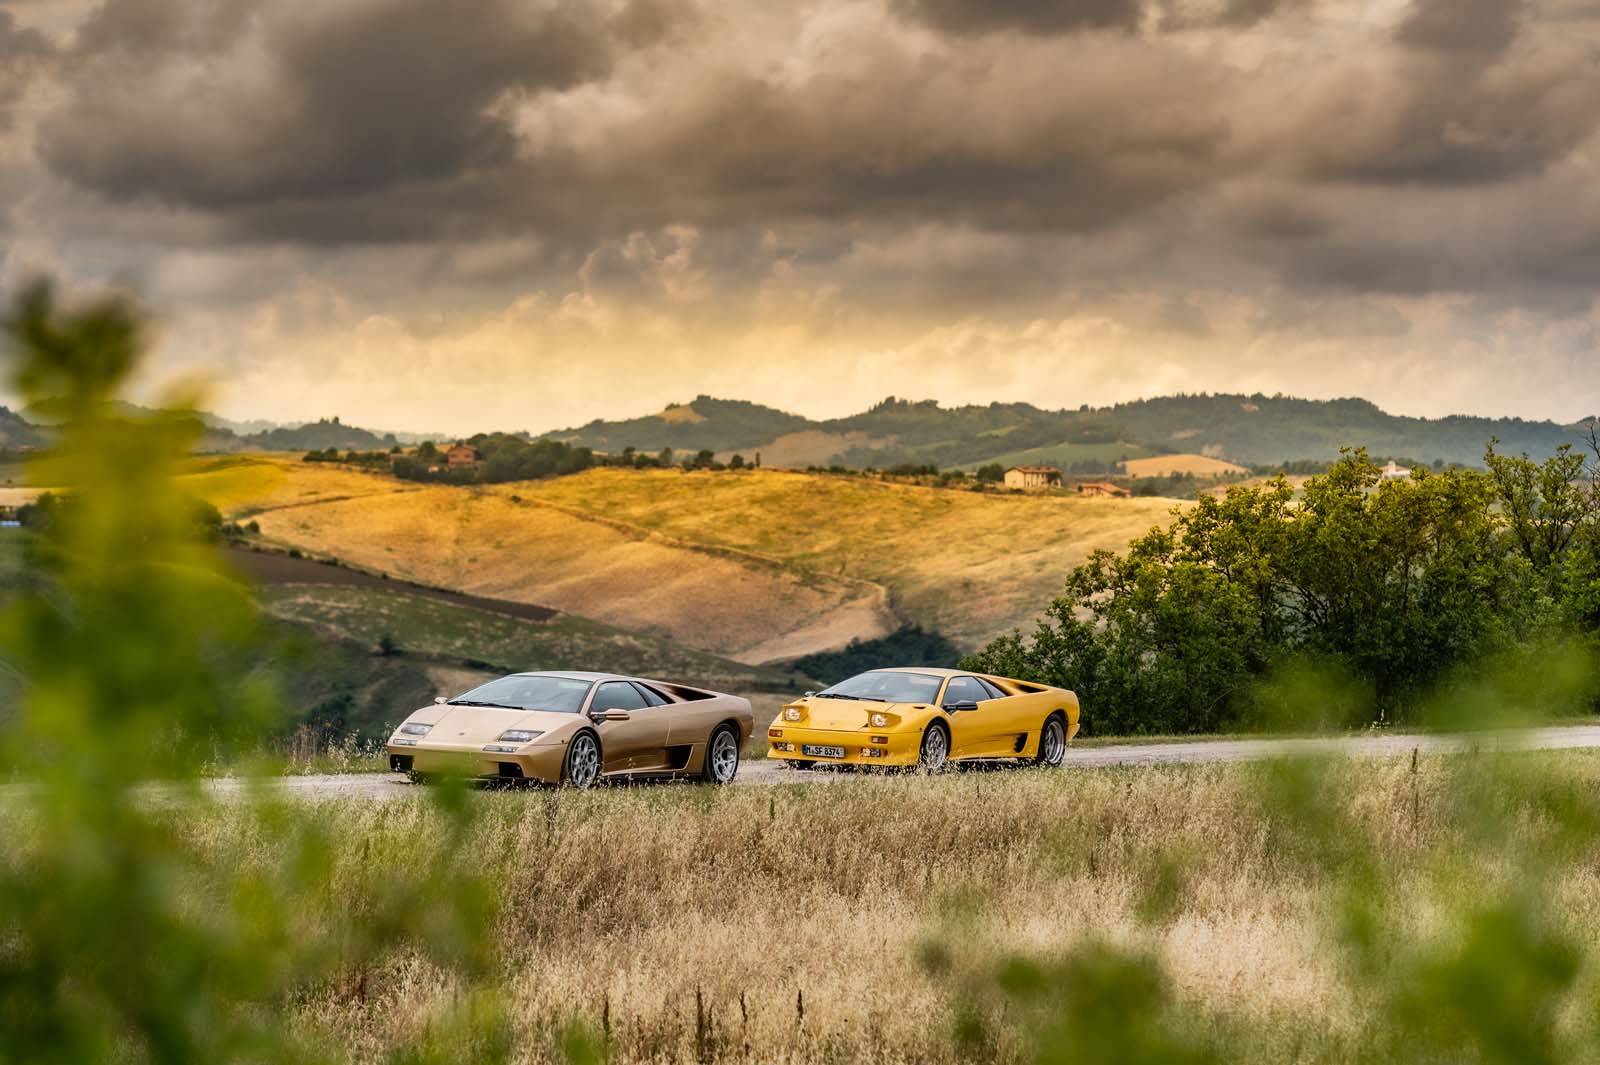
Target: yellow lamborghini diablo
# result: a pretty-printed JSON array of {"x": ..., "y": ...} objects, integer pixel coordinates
[{"x": 925, "y": 717}]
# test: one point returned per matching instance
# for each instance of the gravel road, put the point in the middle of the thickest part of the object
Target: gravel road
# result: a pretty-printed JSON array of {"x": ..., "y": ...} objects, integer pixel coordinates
[{"x": 761, "y": 772}]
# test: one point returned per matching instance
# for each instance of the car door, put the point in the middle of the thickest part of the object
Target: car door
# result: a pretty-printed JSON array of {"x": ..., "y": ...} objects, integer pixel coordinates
[
  {"x": 973, "y": 733},
  {"x": 656, "y": 724},
  {"x": 1014, "y": 718},
  {"x": 621, "y": 742}
]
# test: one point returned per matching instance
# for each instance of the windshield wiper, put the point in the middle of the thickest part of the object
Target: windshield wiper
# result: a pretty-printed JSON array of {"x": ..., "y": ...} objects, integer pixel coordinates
[
  {"x": 495, "y": 706},
  {"x": 857, "y": 698}
]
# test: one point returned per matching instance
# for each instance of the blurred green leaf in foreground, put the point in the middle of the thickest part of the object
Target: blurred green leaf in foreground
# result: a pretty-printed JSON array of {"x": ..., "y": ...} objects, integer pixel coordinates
[{"x": 121, "y": 938}]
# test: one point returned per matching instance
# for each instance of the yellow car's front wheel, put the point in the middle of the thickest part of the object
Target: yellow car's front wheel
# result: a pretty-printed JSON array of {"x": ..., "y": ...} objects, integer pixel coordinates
[{"x": 934, "y": 754}]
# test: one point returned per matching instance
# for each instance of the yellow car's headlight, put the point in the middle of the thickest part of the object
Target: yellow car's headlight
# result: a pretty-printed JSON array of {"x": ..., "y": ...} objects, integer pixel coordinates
[
  {"x": 879, "y": 720},
  {"x": 791, "y": 713}
]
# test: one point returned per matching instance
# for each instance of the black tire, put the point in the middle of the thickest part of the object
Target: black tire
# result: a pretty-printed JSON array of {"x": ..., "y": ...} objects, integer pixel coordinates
[
  {"x": 933, "y": 754},
  {"x": 716, "y": 769},
  {"x": 580, "y": 768},
  {"x": 1052, "y": 742}
]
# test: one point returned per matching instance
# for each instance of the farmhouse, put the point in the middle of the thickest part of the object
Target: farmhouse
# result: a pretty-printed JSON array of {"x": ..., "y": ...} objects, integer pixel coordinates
[
  {"x": 1394, "y": 472},
  {"x": 1102, "y": 488},
  {"x": 462, "y": 456},
  {"x": 1033, "y": 477}
]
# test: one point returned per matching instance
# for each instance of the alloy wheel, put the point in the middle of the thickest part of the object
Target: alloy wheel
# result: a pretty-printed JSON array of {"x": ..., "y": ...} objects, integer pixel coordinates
[
  {"x": 724, "y": 757},
  {"x": 935, "y": 749},
  {"x": 583, "y": 761},
  {"x": 1053, "y": 744}
]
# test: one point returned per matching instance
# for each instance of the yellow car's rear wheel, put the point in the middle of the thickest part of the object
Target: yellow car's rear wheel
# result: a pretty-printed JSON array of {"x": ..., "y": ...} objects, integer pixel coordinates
[{"x": 1052, "y": 742}]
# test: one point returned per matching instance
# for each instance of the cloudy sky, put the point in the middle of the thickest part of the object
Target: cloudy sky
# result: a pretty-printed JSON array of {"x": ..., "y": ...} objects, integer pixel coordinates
[{"x": 529, "y": 213}]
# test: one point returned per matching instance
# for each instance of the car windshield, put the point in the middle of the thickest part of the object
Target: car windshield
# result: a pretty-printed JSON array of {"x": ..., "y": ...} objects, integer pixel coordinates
[
  {"x": 885, "y": 686},
  {"x": 561, "y": 694}
]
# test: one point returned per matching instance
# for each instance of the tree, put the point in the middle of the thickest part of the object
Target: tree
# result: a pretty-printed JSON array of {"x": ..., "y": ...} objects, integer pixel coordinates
[
  {"x": 1395, "y": 584},
  {"x": 736, "y": 463},
  {"x": 991, "y": 473}
]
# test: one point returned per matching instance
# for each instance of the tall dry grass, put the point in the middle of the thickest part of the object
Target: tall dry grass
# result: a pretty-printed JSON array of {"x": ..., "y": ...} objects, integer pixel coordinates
[{"x": 848, "y": 921}]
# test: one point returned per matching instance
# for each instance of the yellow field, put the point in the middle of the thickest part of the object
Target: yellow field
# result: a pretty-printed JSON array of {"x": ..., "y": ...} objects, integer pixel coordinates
[
  {"x": 1165, "y": 465},
  {"x": 755, "y": 565},
  {"x": 972, "y": 565}
]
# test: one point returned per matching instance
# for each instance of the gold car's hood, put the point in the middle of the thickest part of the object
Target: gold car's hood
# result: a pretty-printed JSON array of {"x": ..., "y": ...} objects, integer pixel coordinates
[
  {"x": 845, "y": 714},
  {"x": 483, "y": 724}
]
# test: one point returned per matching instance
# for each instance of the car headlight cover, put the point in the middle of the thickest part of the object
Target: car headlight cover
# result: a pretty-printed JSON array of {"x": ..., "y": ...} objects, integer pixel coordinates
[
  {"x": 879, "y": 720},
  {"x": 791, "y": 713},
  {"x": 415, "y": 728},
  {"x": 520, "y": 735}
]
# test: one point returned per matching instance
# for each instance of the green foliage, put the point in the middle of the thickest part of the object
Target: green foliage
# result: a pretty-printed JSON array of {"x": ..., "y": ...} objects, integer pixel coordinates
[
  {"x": 504, "y": 457},
  {"x": 993, "y": 473},
  {"x": 1396, "y": 584},
  {"x": 122, "y": 936},
  {"x": 908, "y": 646}
]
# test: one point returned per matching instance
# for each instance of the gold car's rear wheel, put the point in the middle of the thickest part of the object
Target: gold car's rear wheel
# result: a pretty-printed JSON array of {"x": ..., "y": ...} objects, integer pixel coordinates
[
  {"x": 722, "y": 756},
  {"x": 934, "y": 754}
]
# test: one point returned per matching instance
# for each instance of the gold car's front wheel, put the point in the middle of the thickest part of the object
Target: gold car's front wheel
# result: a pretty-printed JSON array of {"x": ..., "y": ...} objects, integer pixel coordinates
[
  {"x": 934, "y": 754},
  {"x": 582, "y": 766}
]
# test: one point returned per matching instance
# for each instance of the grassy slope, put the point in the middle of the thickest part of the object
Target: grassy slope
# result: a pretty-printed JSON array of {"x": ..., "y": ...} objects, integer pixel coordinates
[
  {"x": 754, "y": 565},
  {"x": 1064, "y": 455},
  {"x": 431, "y": 629},
  {"x": 971, "y": 565}
]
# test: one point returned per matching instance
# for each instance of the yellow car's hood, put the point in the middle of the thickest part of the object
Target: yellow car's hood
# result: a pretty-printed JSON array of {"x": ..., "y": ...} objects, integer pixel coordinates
[
  {"x": 483, "y": 724},
  {"x": 845, "y": 714}
]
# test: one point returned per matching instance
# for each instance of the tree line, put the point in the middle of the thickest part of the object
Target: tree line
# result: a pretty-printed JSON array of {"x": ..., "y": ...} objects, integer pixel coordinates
[{"x": 1379, "y": 591}]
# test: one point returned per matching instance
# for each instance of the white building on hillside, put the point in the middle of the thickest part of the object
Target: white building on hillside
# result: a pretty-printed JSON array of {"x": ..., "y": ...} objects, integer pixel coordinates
[{"x": 1393, "y": 472}]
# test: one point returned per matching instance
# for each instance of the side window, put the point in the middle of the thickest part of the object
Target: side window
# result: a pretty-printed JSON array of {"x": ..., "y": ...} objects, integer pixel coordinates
[
  {"x": 994, "y": 692},
  {"x": 963, "y": 690},
  {"x": 651, "y": 696},
  {"x": 617, "y": 695}
]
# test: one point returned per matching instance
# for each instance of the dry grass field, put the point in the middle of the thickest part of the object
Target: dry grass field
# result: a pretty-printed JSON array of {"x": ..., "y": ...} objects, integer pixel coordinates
[
  {"x": 972, "y": 565},
  {"x": 856, "y": 922},
  {"x": 1166, "y": 465},
  {"x": 752, "y": 565}
]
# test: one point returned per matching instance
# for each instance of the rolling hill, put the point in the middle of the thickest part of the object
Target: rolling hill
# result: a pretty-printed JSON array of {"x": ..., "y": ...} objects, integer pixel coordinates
[
  {"x": 756, "y": 566},
  {"x": 1249, "y": 430}
]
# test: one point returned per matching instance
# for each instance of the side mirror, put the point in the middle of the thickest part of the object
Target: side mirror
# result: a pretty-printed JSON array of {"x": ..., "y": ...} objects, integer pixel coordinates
[
  {"x": 610, "y": 715},
  {"x": 439, "y": 700},
  {"x": 964, "y": 704},
  {"x": 809, "y": 695}
]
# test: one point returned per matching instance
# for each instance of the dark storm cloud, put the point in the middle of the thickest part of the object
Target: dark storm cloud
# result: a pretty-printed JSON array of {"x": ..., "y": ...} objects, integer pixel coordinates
[
  {"x": 22, "y": 53},
  {"x": 1024, "y": 16},
  {"x": 360, "y": 122},
  {"x": 1468, "y": 104},
  {"x": 1474, "y": 28},
  {"x": 249, "y": 101}
]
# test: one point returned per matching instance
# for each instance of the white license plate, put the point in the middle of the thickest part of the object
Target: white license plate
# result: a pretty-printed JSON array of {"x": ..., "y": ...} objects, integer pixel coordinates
[{"x": 819, "y": 751}]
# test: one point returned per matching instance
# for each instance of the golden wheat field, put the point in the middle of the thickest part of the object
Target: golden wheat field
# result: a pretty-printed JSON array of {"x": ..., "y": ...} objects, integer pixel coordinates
[
  {"x": 849, "y": 922},
  {"x": 754, "y": 565}
]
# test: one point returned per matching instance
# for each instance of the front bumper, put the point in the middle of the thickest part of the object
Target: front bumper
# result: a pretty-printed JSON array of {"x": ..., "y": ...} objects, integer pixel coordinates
[
  {"x": 540, "y": 761},
  {"x": 788, "y": 742}
]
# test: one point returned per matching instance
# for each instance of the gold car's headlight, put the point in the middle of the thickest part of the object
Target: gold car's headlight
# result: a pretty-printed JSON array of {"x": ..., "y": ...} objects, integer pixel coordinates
[
  {"x": 415, "y": 728},
  {"x": 791, "y": 713},
  {"x": 520, "y": 735}
]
